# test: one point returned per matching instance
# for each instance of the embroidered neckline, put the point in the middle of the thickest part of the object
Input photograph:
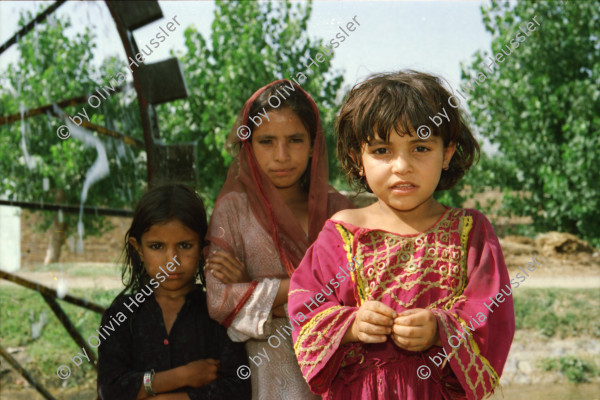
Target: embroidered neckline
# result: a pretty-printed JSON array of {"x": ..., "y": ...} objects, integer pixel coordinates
[{"x": 359, "y": 230}]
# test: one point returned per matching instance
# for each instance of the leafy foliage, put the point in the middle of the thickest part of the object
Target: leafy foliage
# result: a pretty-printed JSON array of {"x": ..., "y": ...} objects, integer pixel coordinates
[
  {"x": 251, "y": 45},
  {"x": 53, "y": 67},
  {"x": 541, "y": 106}
]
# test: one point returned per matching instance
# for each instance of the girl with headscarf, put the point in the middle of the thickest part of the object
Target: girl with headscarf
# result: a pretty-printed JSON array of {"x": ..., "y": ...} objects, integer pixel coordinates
[{"x": 271, "y": 208}]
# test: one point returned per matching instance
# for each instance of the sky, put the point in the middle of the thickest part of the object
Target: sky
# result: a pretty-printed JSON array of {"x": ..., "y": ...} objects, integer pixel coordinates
[
  {"x": 433, "y": 36},
  {"x": 430, "y": 36}
]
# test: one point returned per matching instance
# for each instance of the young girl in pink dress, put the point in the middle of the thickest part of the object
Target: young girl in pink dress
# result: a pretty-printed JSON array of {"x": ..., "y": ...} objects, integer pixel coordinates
[{"x": 406, "y": 298}]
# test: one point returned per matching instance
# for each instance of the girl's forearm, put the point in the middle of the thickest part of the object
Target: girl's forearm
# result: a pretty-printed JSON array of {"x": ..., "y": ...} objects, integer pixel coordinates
[
  {"x": 172, "y": 396},
  {"x": 282, "y": 293},
  {"x": 166, "y": 381},
  {"x": 350, "y": 335}
]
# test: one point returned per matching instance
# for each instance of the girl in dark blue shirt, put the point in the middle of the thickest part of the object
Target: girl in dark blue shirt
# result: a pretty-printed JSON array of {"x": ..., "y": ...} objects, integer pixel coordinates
[{"x": 156, "y": 339}]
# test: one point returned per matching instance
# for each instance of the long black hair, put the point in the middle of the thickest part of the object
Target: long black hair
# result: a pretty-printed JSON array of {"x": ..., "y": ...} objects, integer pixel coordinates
[{"x": 162, "y": 204}]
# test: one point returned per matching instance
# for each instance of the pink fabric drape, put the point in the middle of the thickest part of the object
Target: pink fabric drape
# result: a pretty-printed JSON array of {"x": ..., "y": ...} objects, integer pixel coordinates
[{"x": 248, "y": 196}]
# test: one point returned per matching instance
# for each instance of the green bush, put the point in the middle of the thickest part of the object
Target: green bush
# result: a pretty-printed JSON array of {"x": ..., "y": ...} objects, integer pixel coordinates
[
  {"x": 541, "y": 107},
  {"x": 575, "y": 369}
]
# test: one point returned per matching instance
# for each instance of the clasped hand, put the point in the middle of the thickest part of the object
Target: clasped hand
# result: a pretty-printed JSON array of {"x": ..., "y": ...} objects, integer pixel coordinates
[
  {"x": 227, "y": 268},
  {"x": 412, "y": 330}
]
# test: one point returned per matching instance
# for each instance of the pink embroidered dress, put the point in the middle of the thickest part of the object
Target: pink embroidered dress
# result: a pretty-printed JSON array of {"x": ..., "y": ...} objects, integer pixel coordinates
[{"x": 456, "y": 269}]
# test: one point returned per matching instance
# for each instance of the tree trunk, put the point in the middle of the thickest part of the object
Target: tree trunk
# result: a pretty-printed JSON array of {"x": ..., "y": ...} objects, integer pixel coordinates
[{"x": 58, "y": 234}]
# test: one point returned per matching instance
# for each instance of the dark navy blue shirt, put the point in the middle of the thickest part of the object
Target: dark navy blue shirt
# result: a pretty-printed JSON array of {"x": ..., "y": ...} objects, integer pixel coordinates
[{"x": 140, "y": 343}]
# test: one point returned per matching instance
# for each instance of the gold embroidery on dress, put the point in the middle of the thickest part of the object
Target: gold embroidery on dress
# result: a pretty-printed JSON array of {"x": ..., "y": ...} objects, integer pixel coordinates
[
  {"x": 467, "y": 224},
  {"x": 298, "y": 291},
  {"x": 320, "y": 345},
  {"x": 347, "y": 239},
  {"x": 474, "y": 355},
  {"x": 392, "y": 262}
]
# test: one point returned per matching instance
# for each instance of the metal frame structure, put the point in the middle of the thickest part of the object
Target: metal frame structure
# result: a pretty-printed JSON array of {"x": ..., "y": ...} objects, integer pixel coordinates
[{"x": 128, "y": 16}]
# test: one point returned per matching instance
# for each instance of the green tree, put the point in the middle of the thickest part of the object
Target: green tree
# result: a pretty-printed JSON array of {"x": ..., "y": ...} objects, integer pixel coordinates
[
  {"x": 53, "y": 67},
  {"x": 251, "y": 45},
  {"x": 541, "y": 106}
]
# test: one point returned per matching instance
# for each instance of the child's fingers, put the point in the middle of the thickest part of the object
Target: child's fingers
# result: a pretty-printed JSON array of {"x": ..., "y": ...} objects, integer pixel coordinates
[
  {"x": 410, "y": 311},
  {"x": 415, "y": 317},
  {"x": 368, "y": 338},
  {"x": 371, "y": 329},
  {"x": 374, "y": 318},
  {"x": 399, "y": 341},
  {"x": 380, "y": 308},
  {"x": 225, "y": 270},
  {"x": 408, "y": 344},
  {"x": 225, "y": 267},
  {"x": 222, "y": 275},
  {"x": 234, "y": 261},
  {"x": 408, "y": 331},
  {"x": 225, "y": 262}
]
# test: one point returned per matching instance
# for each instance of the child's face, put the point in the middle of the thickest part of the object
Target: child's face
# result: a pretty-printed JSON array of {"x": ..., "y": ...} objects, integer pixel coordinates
[
  {"x": 282, "y": 148},
  {"x": 405, "y": 172},
  {"x": 160, "y": 244}
]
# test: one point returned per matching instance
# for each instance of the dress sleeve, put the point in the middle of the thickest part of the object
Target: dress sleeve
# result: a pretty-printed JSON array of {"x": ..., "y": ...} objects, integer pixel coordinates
[
  {"x": 117, "y": 378},
  {"x": 322, "y": 300},
  {"x": 243, "y": 308},
  {"x": 254, "y": 318},
  {"x": 477, "y": 329},
  {"x": 228, "y": 385},
  {"x": 226, "y": 300}
]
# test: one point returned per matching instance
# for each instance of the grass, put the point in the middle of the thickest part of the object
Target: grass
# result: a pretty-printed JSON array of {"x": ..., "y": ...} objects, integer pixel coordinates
[
  {"x": 558, "y": 312},
  {"x": 82, "y": 269},
  {"x": 55, "y": 346},
  {"x": 575, "y": 369}
]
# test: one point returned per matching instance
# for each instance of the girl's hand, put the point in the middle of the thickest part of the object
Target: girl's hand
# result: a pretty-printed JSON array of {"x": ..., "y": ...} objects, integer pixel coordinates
[
  {"x": 279, "y": 311},
  {"x": 372, "y": 323},
  {"x": 227, "y": 268},
  {"x": 416, "y": 330},
  {"x": 201, "y": 372}
]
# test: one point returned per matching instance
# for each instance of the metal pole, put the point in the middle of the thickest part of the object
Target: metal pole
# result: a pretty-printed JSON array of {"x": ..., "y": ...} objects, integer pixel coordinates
[
  {"x": 45, "y": 290},
  {"x": 147, "y": 112},
  {"x": 30, "y": 25},
  {"x": 113, "y": 212},
  {"x": 25, "y": 374}
]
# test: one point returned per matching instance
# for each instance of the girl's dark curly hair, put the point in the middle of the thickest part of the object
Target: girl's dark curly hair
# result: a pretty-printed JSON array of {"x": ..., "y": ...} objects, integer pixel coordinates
[
  {"x": 162, "y": 204},
  {"x": 401, "y": 101}
]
